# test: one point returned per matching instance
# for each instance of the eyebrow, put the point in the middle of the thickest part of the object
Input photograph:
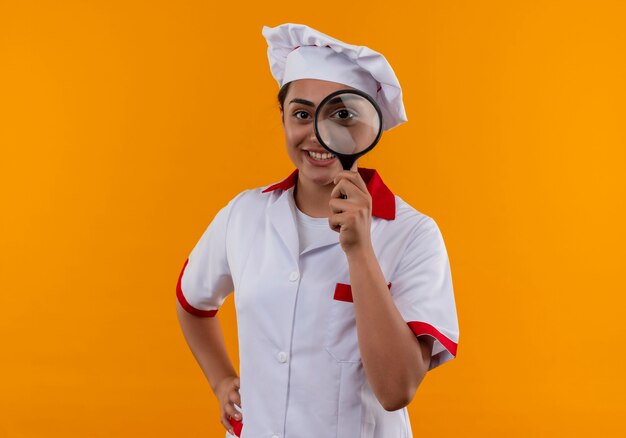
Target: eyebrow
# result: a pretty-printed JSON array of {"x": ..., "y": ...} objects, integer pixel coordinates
[
  {"x": 340, "y": 99},
  {"x": 302, "y": 101}
]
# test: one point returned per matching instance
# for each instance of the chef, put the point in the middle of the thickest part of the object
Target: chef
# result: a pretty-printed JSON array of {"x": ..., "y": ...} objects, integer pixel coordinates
[{"x": 342, "y": 290}]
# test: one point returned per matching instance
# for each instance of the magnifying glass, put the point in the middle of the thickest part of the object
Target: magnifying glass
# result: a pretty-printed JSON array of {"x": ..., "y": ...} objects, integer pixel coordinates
[{"x": 348, "y": 123}]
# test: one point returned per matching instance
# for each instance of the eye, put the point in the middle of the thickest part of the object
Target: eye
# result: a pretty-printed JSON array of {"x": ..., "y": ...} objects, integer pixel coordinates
[
  {"x": 345, "y": 117},
  {"x": 302, "y": 115},
  {"x": 344, "y": 114}
]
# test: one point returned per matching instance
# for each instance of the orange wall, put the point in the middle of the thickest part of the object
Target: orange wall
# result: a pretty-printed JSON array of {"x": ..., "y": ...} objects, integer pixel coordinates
[{"x": 125, "y": 126}]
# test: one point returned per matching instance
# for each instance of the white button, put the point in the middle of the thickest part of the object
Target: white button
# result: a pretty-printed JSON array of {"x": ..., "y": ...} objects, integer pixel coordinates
[
  {"x": 274, "y": 436},
  {"x": 294, "y": 276},
  {"x": 282, "y": 357}
]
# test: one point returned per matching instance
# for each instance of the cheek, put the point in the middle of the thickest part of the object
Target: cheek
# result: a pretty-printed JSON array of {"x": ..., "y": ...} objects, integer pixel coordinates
[{"x": 294, "y": 135}]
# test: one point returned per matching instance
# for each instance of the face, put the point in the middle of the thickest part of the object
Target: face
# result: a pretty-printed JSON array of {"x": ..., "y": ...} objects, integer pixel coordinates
[{"x": 314, "y": 163}]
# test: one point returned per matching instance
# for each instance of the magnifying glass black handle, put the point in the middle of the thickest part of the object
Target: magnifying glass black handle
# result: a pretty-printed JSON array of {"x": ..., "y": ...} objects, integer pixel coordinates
[{"x": 347, "y": 161}]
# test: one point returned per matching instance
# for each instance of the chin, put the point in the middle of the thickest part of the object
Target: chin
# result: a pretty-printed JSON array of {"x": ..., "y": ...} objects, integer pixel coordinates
[{"x": 321, "y": 177}]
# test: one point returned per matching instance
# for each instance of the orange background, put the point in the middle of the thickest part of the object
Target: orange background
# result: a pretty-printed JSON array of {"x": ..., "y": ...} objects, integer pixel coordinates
[{"x": 125, "y": 126}]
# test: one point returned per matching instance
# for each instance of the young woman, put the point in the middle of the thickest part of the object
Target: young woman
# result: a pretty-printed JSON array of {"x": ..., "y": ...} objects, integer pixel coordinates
[{"x": 343, "y": 304}]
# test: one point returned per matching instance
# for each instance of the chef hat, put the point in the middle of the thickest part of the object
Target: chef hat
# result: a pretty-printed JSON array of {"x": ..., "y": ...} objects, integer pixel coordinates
[{"x": 296, "y": 51}]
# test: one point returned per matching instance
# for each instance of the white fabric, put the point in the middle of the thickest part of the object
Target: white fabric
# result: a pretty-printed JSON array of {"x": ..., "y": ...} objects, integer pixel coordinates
[
  {"x": 296, "y": 51},
  {"x": 300, "y": 366},
  {"x": 311, "y": 229},
  {"x": 314, "y": 62}
]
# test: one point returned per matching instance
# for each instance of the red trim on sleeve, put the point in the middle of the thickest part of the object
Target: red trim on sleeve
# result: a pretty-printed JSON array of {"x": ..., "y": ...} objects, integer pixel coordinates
[
  {"x": 183, "y": 301},
  {"x": 423, "y": 328},
  {"x": 343, "y": 292}
]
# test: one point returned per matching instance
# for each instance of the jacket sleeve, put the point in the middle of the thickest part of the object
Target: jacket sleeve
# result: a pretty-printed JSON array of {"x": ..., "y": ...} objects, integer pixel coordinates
[
  {"x": 422, "y": 291},
  {"x": 205, "y": 279}
]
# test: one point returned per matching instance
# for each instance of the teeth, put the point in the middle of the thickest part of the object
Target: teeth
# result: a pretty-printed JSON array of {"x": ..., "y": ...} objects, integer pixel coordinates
[{"x": 318, "y": 156}]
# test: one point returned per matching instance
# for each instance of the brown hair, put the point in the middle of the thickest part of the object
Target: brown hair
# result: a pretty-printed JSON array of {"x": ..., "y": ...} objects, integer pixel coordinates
[{"x": 282, "y": 94}]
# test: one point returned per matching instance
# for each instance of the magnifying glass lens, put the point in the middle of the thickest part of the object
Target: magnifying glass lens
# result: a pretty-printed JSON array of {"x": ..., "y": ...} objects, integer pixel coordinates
[{"x": 348, "y": 124}]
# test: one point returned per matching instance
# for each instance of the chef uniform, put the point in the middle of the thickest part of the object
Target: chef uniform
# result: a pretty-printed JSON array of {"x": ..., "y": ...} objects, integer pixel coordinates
[{"x": 301, "y": 373}]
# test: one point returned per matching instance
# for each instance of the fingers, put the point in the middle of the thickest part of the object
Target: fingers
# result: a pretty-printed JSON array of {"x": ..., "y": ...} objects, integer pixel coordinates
[
  {"x": 341, "y": 188},
  {"x": 354, "y": 177},
  {"x": 230, "y": 414},
  {"x": 234, "y": 397},
  {"x": 338, "y": 205},
  {"x": 346, "y": 187},
  {"x": 350, "y": 187},
  {"x": 230, "y": 411},
  {"x": 229, "y": 427},
  {"x": 336, "y": 221}
]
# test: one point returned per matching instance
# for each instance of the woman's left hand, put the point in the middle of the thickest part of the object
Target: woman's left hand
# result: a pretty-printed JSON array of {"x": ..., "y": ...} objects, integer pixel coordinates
[{"x": 351, "y": 217}]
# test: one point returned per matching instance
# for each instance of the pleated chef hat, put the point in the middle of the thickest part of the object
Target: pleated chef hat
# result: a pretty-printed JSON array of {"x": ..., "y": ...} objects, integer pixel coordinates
[{"x": 296, "y": 51}]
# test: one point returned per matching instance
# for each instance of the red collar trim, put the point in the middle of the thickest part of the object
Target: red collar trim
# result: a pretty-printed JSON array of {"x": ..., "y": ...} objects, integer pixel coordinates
[{"x": 383, "y": 200}]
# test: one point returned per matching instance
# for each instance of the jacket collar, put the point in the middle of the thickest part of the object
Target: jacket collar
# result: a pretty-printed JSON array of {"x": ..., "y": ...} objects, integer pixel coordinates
[{"x": 383, "y": 200}]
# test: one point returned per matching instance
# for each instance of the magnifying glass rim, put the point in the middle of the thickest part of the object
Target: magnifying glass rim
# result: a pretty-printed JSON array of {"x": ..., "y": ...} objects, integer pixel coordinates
[{"x": 345, "y": 91}]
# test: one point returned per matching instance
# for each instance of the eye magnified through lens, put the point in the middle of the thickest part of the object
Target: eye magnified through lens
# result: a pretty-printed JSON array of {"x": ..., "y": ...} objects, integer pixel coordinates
[{"x": 348, "y": 123}]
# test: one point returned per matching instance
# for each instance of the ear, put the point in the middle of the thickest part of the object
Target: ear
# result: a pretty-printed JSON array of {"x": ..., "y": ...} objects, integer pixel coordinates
[{"x": 282, "y": 116}]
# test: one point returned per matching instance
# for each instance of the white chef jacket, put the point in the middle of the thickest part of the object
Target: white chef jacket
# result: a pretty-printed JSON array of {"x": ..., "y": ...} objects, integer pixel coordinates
[{"x": 300, "y": 371}]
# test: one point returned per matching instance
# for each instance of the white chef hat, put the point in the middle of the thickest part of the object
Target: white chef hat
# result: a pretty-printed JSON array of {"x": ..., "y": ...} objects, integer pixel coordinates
[{"x": 296, "y": 51}]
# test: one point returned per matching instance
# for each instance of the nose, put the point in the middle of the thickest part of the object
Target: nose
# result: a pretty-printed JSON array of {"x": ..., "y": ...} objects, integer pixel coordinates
[{"x": 313, "y": 137}]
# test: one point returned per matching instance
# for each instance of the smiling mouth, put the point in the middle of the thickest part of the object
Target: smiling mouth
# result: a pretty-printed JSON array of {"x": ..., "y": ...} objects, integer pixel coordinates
[{"x": 325, "y": 156}]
